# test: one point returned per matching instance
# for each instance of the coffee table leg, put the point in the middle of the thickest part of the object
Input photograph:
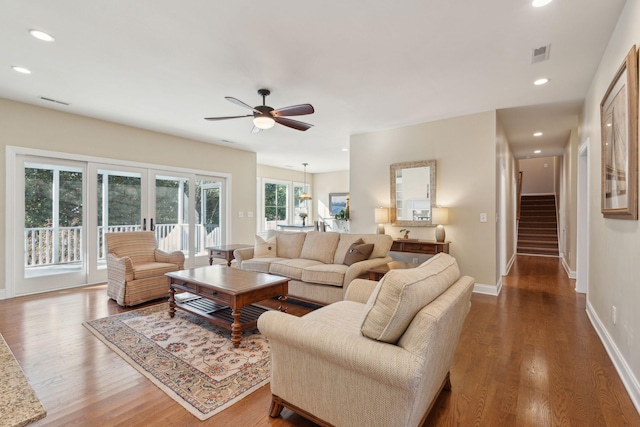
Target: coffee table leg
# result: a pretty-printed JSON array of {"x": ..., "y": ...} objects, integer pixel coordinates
[
  {"x": 283, "y": 303},
  {"x": 172, "y": 301},
  {"x": 236, "y": 332}
]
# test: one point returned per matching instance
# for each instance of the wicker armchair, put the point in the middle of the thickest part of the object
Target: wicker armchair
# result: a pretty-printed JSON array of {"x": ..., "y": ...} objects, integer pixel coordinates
[{"x": 136, "y": 267}]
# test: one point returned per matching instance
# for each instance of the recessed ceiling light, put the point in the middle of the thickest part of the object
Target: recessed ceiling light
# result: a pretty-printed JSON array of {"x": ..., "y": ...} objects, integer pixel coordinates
[
  {"x": 345, "y": 149},
  {"x": 537, "y": 134},
  {"x": 21, "y": 69},
  {"x": 537, "y": 152},
  {"x": 41, "y": 35},
  {"x": 541, "y": 81},
  {"x": 540, "y": 3}
]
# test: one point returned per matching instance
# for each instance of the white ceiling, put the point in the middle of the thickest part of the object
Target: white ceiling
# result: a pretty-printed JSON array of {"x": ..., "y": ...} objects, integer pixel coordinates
[{"x": 164, "y": 65}]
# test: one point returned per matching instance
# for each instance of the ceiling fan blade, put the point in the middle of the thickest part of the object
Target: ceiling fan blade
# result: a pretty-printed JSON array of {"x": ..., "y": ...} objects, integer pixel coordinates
[
  {"x": 228, "y": 117},
  {"x": 240, "y": 103},
  {"x": 294, "y": 124},
  {"x": 294, "y": 110}
]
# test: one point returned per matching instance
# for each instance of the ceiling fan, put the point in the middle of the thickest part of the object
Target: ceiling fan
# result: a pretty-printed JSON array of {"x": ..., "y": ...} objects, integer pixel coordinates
[{"x": 265, "y": 117}]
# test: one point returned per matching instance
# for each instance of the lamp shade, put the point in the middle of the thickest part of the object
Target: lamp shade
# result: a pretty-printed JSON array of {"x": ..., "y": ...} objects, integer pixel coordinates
[
  {"x": 382, "y": 215},
  {"x": 440, "y": 216}
]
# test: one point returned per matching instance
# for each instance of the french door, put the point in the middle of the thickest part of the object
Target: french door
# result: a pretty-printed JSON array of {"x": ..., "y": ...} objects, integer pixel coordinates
[{"x": 64, "y": 208}]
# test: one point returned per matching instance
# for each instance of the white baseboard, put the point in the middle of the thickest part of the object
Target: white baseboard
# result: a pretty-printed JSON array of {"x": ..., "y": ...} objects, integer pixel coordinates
[
  {"x": 626, "y": 375},
  {"x": 494, "y": 290},
  {"x": 510, "y": 264},
  {"x": 571, "y": 273},
  {"x": 2, "y": 293}
]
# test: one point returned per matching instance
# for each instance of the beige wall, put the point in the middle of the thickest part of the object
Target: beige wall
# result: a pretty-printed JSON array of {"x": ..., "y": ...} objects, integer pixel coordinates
[
  {"x": 29, "y": 126},
  {"x": 325, "y": 184},
  {"x": 506, "y": 200},
  {"x": 614, "y": 245},
  {"x": 569, "y": 202},
  {"x": 538, "y": 175},
  {"x": 464, "y": 149}
]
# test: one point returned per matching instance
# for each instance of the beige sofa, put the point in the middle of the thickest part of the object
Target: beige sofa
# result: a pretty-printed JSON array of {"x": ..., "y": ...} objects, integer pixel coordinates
[
  {"x": 314, "y": 261},
  {"x": 379, "y": 358}
]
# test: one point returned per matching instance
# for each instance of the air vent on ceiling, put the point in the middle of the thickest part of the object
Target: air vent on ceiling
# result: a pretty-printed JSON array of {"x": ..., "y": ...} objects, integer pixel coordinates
[
  {"x": 54, "y": 100},
  {"x": 540, "y": 54}
]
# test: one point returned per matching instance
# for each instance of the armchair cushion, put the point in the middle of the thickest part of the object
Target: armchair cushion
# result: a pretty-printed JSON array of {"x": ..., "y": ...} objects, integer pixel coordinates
[
  {"x": 402, "y": 293},
  {"x": 152, "y": 269}
]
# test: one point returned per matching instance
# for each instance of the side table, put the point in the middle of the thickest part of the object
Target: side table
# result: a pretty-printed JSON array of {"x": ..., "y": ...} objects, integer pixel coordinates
[
  {"x": 376, "y": 273},
  {"x": 224, "y": 252}
]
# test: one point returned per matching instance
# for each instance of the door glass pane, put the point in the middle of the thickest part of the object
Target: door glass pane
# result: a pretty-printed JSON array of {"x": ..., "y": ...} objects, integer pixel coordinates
[
  {"x": 172, "y": 213},
  {"x": 119, "y": 205},
  {"x": 208, "y": 215},
  {"x": 53, "y": 206}
]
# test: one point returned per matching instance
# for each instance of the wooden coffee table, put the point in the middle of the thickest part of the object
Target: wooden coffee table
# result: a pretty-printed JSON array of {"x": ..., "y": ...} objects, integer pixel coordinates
[{"x": 224, "y": 295}]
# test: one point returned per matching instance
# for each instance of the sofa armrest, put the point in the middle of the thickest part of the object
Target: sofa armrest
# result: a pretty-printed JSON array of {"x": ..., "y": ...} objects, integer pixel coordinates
[
  {"x": 360, "y": 290},
  {"x": 176, "y": 257},
  {"x": 241, "y": 255},
  {"x": 360, "y": 268},
  {"x": 386, "y": 363},
  {"x": 119, "y": 270}
]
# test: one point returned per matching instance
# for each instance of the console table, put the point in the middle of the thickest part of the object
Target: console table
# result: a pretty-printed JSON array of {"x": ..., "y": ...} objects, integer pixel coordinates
[
  {"x": 224, "y": 252},
  {"x": 429, "y": 247}
]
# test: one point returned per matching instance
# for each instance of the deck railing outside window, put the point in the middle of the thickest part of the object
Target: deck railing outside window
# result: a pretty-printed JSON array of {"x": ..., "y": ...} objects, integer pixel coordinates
[{"x": 63, "y": 245}]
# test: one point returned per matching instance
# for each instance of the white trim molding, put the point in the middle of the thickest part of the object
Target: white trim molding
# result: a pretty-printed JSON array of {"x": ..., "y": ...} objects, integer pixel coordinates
[
  {"x": 571, "y": 273},
  {"x": 494, "y": 290},
  {"x": 629, "y": 381}
]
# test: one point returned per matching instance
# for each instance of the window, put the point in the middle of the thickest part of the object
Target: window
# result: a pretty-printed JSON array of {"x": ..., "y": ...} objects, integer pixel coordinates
[
  {"x": 276, "y": 197},
  {"x": 300, "y": 207}
]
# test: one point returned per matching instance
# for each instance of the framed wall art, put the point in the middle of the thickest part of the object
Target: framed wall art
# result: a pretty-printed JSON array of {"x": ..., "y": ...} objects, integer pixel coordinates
[
  {"x": 337, "y": 202},
  {"x": 619, "y": 128}
]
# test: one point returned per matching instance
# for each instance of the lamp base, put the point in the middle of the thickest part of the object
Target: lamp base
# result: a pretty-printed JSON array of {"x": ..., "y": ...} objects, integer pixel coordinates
[
  {"x": 380, "y": 229},
  {"x": 440, "y": 233}
]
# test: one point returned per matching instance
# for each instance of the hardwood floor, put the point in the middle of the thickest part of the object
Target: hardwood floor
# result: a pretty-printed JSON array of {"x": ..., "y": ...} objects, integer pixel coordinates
[{"x": 529, "y": 357}]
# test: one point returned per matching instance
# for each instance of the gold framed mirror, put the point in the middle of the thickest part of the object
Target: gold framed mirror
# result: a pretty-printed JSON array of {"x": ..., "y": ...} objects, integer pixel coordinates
[{"x": 413, "y": 193}]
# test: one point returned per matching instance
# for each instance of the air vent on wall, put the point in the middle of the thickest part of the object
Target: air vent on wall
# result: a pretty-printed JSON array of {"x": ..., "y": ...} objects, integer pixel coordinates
[
  {"x": 540, "y": 54},
  {"x": 54, "y": 100}
]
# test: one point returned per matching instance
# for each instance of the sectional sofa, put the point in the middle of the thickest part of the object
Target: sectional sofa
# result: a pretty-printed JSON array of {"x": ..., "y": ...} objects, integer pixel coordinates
[{"x": 320, "y": 265}]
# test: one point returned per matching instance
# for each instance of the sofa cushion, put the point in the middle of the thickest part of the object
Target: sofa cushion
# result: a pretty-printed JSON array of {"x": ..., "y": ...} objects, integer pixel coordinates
[
  {"x": 402, "y": 293},
  {"x": 260, "y": 265},
  {"x": 320, "y": 246},
  {"x": 265, "y": 248},
  {"x": 153, "y": 269},
  {"x": 358, "y": 251},
  {"x": 291, "y": 268},
  {"x": 381, "y": 245},
  {"x": 289, "y": 243},
  {"x": 325, "y": 274}
]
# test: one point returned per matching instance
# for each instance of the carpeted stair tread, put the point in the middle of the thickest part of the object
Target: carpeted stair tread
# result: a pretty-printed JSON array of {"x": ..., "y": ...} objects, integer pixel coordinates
[{"x": 537, "y": 227}]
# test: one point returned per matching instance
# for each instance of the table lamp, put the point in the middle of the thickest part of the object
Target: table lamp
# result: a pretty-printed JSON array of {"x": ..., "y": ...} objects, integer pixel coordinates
[
  {"x": 381, "y": 218},
  {"x": 440, "y": 217}
]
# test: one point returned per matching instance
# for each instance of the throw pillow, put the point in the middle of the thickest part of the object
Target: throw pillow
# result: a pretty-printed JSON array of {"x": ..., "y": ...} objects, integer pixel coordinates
[
  {"x": 403, "y": 293},
  {"x": 265, "y": 248},
  {"x": 358, "y": 251}
]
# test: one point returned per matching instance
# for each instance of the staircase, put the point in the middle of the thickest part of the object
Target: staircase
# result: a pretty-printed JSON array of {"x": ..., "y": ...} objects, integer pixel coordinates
[{"x": 537, "y": 229}]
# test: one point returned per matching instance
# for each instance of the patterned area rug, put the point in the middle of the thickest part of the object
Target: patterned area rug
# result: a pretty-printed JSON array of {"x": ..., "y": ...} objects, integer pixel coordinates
[{"x": 190, "y": 359}]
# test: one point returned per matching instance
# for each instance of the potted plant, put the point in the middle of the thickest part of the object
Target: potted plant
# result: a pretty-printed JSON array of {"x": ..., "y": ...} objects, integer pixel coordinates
[{"x": 406, "y": 232}]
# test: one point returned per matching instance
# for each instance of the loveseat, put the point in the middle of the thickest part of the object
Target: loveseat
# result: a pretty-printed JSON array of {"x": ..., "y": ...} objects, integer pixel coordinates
[
  {"x": 380, "y": 358},
  {"x": 320, "y": 265}
]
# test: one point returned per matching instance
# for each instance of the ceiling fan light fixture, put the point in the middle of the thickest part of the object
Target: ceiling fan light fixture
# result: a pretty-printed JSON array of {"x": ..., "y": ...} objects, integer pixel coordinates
[{"x": 263, "y": 122}]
